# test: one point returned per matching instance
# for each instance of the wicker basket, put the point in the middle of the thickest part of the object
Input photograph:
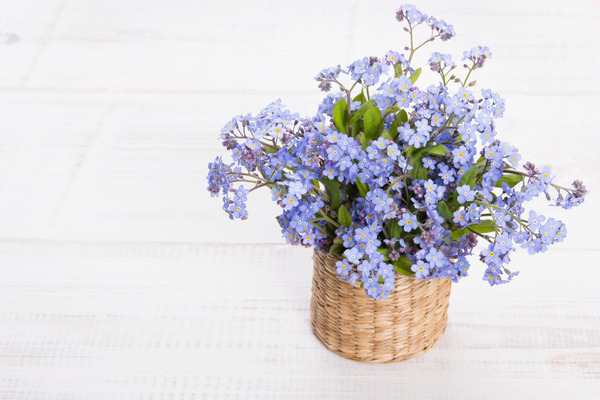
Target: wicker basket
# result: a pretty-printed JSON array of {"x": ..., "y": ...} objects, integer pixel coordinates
[{"x": 408, "y": 323}]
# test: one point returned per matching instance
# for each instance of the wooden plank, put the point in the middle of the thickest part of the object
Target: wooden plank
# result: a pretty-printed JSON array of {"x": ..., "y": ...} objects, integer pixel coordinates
[
  {"x": 549, "y": 48},
  {"x": 97, "y": 319}
]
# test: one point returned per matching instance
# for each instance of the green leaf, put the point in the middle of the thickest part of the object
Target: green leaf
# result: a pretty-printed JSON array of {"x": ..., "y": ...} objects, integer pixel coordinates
[
  {"x": 394, "y": 229},
  {"x": 361, "y": 111},
  {"x": 356, "y": 128},
  {"x": 338, "y": 241},
  {"x": 361, "y": 137},
  {"x": 270, "y": 149},
  {"x": 403, "y": 265},
  {"x": 444, "y": 211},
  {"x": 363, "y": 188},
  {"x": 384, "y": 251},
  {"x": 438, "y": 149},
  {"x": 398, "y": 70},
  {"x": 469, "y": 177},
  {"x": 360, "y": 97},
  {"x": 403, "y": 116},
  {"x": 332, "y": 188},
  {"x": 481, "y": 161},
  {"x": 336, "y": 249},
  {"x": 394, "y": 129},
  {"x": 457, "y": 234},
  {"x": 387, "y": 135},
  {"x": 391, "y": 110},
  {"x": 416, "y": 75},
  {"x": 411, "y": 150},
  {"x": 418, "y": 154},
  {"x": 330, "y": 230},
  {"x": 418, "y": 170},
  {"x": 344, "y": 217},
  {"x": 372, "y": 120},
  {"x": 511, "y": 179},
  {"x": 486, "y": 226},
  {"x": 340, "y": 116}
]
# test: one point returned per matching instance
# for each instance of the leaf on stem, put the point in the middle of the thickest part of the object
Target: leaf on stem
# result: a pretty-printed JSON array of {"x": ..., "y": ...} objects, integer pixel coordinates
[
  {"x": 444, "y": 211},
  {"x": 340, "y": 116},
  {"x": 332, "y": 188},
  {"x": 418, "y": 169},
  {"x": 372, "y": 120},
  {"x": 360, "y": 97},
  {"x": 363, "y": 140},
  {"x": 398, "y": 70},
  {"x": 416, "y": 75},
  {"x": 394, "y": 129},
  {"x": 402, "y": 265},
  {"x": 344, "y": 217},
  {"x": 363, "y": 188},
  {"x": 361, "y": 111},
  {"x": 403, "y": 116},
  {"x": 336, "y": 249},
  {"x": 485, "y": 226},
  {"x": 469, "y": 177},
  {"x": 394, "y": 229},
  {"x": 510, "y": 179}
]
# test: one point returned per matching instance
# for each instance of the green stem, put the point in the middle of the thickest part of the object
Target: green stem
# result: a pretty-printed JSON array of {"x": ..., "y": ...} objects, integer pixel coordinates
[
  {"x": 443, "y": 77},
  {"x": 480, "y": 235},
  {"x": 490, "y": 206},
  {"x": 250, "y": 175},
  {"x": 319, "y": 226},
  {"x": 328, "y": 219},
  {"x": 555, "y": 186},
  {"x": 464, "y": 84},
  {"x": 258, "y": 186},
  {"x": 412, "y": 51}
]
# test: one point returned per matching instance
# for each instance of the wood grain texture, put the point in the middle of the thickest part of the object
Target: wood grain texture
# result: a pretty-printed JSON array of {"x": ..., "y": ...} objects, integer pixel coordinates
[
  {"x": 120, "y": 278},
  {"x": 123, "y": 320}
]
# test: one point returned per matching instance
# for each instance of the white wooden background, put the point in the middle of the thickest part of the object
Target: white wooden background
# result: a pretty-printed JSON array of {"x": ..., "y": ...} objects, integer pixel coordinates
[{"x": 120, "y": 278}]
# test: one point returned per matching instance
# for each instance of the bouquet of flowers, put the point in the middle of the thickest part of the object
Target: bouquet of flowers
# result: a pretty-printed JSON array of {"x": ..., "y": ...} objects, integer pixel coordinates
[{"x": 392, "y": 177}]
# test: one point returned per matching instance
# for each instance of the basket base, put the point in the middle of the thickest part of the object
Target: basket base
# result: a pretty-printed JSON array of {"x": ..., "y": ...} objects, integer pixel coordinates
[{"x": 350, "y": 324}]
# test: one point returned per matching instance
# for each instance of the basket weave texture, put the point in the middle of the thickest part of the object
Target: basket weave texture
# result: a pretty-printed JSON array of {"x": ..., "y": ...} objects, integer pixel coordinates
[{"x": 409, "y": 322}]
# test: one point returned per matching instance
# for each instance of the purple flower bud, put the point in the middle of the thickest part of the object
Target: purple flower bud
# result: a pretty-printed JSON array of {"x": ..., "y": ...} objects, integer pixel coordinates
[{"x": 400, "y": 15}]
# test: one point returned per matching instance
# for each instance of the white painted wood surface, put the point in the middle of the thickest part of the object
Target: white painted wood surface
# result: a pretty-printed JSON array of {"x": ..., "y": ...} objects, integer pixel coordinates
[{"x": 120, "y": 278}]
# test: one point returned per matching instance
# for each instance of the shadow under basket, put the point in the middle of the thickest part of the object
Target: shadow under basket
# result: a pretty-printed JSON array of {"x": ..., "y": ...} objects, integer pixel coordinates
[{"x": 408, "y": 323}]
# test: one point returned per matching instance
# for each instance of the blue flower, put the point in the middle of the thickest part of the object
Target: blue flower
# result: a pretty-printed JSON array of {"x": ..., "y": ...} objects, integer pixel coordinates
[
  {"x": 421, "y": 269},
  {"x": 462, "y": 265},
  {"x": 460, "y": 218},
  {"x": 353, "y": 255},
  {"x": 297, "y": 189},
  {"x": 343, "y": 267},
  {"x": 446, "y": 173},
  {"x": 237, "y": 210},
  {"x": 385, "y": 271},
  {"x": 408, "y": 222},
  {"x": 290, "y": 201},
  {"x": 365, "y": 268},
  {"x": 436, "y": 258},
  {"x": 439, "y": 61},
  {"x": 428, "y": 162},
  {"x": 465, "y": 193}
]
